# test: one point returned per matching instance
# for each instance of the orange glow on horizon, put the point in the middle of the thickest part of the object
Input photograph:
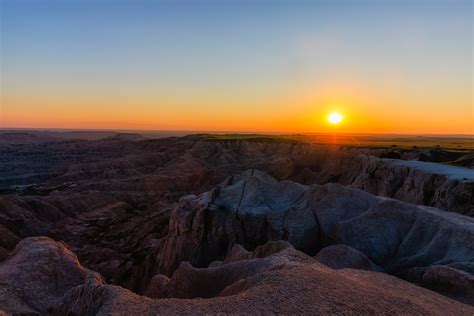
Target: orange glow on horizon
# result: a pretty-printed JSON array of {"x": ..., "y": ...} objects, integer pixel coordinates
[
  {"x": 165, "y": 66},
  {"x": 303, "y": 113}
]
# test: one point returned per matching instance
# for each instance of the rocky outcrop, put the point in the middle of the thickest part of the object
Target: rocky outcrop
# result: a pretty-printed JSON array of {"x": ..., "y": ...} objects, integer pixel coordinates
[
  {"x": 186, "y": 165},
  {"x": 398, "y": 236},
  {"x": 466, "y": 160},
  {"x": 318, "y": 164},
  {"x": 44, "y": 277},
  {"x": 189, "y": 282},
  {"x": 453, "y": 282},
  {"x": 37, "y": 275},
  {"x": 343, "y": 256},
  {"x": 267, "y": 282},
  {"x": 417, "y": 186},
  {"x": 393, "y": 178},
  {"x": 110, "y": 199},
  {"x": 25, "y": 216},
  {"x": 230, "y": 249},
  {"x": 202, "y": 228},
  {"x": 253, "y": 208},
  {"x": 108, "y": 235},
  {"x": 118, "y": 241}
]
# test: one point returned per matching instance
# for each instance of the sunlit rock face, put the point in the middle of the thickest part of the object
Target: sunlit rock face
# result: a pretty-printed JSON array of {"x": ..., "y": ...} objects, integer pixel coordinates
[{"x": 252, "y": 208}]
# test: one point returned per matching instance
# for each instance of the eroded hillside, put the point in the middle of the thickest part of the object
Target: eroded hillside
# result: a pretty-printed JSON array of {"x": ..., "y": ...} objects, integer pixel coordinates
[{"x": 120, "y": 204}]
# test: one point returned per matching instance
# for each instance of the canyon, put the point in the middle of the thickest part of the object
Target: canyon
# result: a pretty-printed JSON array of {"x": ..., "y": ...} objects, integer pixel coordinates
[{"x": 126, "y": 224}]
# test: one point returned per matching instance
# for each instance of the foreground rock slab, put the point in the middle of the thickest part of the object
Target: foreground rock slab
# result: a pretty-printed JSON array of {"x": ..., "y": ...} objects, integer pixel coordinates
[
  {"x": 44, "y": 277},
  {"x": 38, "y": 273},
  {"x": 286, "y": 281}
]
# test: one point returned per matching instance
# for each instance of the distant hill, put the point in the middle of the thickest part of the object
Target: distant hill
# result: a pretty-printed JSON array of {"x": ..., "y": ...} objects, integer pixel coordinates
[
  {"x": 24, "y": 138},
  {"x": 126, "y": 137}
]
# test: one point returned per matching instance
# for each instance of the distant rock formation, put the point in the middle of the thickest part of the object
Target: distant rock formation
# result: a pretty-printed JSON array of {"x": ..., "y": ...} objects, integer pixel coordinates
[
  {"x": 20, "y": 138},
  {"x": 130, "y": 167},
  {"x": 128, "y": 137},
  {"x": 383, "y": 177}
]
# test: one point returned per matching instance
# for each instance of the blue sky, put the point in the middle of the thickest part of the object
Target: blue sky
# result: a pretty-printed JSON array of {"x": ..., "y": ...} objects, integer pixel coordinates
[{"x": 277, "y": 61}]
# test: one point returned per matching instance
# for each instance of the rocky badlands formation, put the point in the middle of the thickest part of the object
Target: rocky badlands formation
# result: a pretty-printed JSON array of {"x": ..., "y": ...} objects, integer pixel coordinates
[
  {"x": 259, "y": 225},
  {"x": 44, "y": 277},
  {"x": 372, "y": 233}
]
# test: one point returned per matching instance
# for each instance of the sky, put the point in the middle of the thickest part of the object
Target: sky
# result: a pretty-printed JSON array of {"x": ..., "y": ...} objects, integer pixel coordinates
[{"x": 388, "y": 66}]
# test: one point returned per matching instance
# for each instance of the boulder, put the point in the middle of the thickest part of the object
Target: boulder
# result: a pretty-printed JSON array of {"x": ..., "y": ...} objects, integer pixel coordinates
[
  {"x": 343, "y": 256},
  {"x": 157, "y": 286},
  {"x": 456, "y": 283},
  {"x": 37, "y": 274}
]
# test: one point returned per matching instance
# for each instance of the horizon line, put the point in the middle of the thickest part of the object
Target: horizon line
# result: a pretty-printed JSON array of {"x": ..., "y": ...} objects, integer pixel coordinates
[{"x": 118, "y": 130}]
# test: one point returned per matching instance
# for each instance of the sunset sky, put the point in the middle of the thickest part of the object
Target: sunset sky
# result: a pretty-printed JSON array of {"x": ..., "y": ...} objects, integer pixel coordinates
[{"x": 266, "y": 66}]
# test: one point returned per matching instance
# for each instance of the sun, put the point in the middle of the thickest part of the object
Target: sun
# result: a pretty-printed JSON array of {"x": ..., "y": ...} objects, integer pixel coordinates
[{"x": 335, "y": 118}]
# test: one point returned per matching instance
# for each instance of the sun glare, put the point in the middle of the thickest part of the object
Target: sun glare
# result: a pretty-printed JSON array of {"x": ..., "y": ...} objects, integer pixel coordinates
[{"x": 335, "y": 118}]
